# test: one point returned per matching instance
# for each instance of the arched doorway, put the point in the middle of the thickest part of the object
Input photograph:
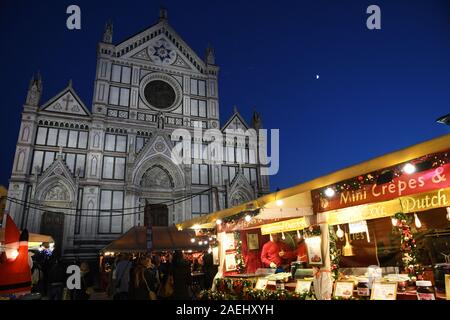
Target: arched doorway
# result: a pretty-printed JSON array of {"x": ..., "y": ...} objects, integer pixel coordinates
[
  {"x": 52, "y": 222},
  {"x": 156, "y": 215}
]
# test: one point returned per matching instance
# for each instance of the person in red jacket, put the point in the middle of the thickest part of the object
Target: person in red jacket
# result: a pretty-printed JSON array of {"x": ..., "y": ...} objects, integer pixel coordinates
[{"x": 275, "y": 253}]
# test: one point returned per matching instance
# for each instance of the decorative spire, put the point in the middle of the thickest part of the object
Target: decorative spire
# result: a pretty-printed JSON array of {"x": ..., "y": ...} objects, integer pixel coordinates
[
  {"x": 256, "y": 120},
  {"x": 235, "y": 110},
  {"x": 210, "y": 55},
  {"x": 162, "y": 14},
  {"x": 108, "y": 33},
  {"x": 70, "y": 83},
  {"x": 34, "y": 90}
]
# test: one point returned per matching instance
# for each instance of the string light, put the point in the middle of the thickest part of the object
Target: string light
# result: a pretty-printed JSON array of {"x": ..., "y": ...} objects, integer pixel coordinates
[
  {"x": 219, "y": 221},
  {"x": 192, "y": 240},
  {"x": 299, "y": 236},
  {"x": 248, "y": 218},
  {"x": 283, "y": 236},
  {"x": 196, "y": 227},
  {"x": 448, "y": 213},
  {"x": 279, "y": 203}
]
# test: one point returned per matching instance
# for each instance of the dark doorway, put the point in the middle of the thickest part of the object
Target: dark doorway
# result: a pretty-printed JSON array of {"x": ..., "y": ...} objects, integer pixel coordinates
[
  {"x": 156, "y": 215},
  {"x": 52, "y": 224}
]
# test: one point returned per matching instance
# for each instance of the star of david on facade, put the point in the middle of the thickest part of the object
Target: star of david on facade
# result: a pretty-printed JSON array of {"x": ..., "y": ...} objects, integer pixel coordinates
[{"x": 162, "y": 52}]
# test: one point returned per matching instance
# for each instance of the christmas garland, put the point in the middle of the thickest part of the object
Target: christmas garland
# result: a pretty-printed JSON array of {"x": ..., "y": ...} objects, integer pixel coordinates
[
  {"x": 335, "y": 257},
  {"x": 257, "y": 295},
  {"x": 312, "y": 231},
  {"x": 408, "y": 246},
  {"x": 239, "y": 258}
]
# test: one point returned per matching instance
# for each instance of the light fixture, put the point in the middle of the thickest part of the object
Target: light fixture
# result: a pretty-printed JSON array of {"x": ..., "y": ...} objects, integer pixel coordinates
[
  {"x": 248, "y": 218},
  {"x": 279, "y": 202},
  {"x": 200, "y": 243},
  {"x": 283, "y": 236},
  {"x": 394, "y": 221},
  {"x": 329, "y": 192},
  {"x": 205, "y": 242},
  {"x": 271, "y": 238},
  {"x": 219, "y": 221},
  {"x": 210, "y": 238},
  {"x": 339, "y": 232},
  {"x": 209, "y": 250},
  {"x": 196, "y": 227},
  {"x": 192, "y": 240},
  {"x": 448, "y": 213},
  {"x": 409, "y": 168},
  {"x": 417, "y": 221},
  {"x": 299, "y": 236}
]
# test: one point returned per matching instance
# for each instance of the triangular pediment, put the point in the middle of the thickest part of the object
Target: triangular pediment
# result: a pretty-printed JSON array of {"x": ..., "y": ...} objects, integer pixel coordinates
[
  {"x": 59, "y": 169},
  {"x": 158, "y": 144},
  {"x": 160, "y": 45},
  {"x": 236, "y": 122},
  {"x": 66, "y": 102}
]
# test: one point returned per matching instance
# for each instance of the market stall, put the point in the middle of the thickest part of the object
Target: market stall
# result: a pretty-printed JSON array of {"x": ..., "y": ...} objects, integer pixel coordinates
[
  {"x": 370, "y": 229},
  {"x": 391, "y": 226}
]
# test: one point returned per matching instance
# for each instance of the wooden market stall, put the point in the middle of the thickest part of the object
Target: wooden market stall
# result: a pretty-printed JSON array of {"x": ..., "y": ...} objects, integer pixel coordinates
[{"x": 417, "y": 194}]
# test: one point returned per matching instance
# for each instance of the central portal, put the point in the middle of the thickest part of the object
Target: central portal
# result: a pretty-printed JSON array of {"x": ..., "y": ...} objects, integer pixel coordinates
[{"x": 156, "y": 215}]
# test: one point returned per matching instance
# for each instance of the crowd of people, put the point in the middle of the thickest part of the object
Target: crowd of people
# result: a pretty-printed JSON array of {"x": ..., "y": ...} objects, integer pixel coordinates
[
  {"x": 159, "y": 276},
  {"x": 49, "y": 278},
  {"x": 170, "y": 275}
]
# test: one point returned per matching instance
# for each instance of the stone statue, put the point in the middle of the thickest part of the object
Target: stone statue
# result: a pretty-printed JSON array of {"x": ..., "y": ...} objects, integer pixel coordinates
[{"x": 108, "y": 33}]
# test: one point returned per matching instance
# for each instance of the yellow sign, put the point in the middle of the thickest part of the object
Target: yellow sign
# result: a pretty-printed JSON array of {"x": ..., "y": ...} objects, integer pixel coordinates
[
  {"x": 414, "y": 203},
  {"x": 285, "y": 226}
]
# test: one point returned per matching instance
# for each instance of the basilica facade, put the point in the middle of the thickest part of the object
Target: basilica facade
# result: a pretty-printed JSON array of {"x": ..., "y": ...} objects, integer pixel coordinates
[{"x": 85, "y": 175}]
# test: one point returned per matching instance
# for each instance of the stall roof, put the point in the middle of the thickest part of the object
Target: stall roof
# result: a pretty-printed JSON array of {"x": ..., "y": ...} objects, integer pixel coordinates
[
  {"x": 164, "y": 238},
  {"x": 32, "y": 237},
  {"x": 428, "y": 147}
]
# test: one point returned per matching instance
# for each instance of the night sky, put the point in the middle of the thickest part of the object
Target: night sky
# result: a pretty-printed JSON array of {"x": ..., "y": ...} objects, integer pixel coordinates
[{"x": 377, "y": 92}]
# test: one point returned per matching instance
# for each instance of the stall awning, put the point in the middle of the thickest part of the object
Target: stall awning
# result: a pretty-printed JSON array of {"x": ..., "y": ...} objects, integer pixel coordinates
[
  {"x": 388, "y": 160},
  {"x": 163, "y": 239},
  {"x": 32, "y": 237}
]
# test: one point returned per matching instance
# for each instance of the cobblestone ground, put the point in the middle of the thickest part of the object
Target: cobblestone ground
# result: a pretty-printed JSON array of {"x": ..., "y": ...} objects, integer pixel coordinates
[{"x": 100, "y": 296}]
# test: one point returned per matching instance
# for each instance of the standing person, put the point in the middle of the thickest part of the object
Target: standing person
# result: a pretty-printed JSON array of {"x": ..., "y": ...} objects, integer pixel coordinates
[
  {"x": 55, "y": 279},
  {"x": 276, "y": 254},
  {"x": 122, "y": 277},
  {"x": 166, "y": 274},
  {"x": 87, "y": 283},
  {"x": 209, "y": 269},
  {"x": 182, "y": 277},
  {"x": 37, "y": 278},
  {"x": 143, "y": 282}
]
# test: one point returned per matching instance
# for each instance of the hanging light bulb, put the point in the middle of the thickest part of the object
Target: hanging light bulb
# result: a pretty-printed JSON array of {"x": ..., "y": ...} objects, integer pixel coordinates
[
  {"x": 394, "y": 221},
  {"x": 329, "y": 192},
  {"x": 299, "y": 236},
  {"x": 248, "y": 218},
  {"x": 409, "y": 168},
  {"x": 192, "y": 240},
  {"x": 283, "y": 236},
  {"x": 417, "y": 221},
  {"x": 448, "y": 213},
  {"x": 219, "y": 221},
  {"x": 279, "y": 202},
  {"x": 271, "y": 238},
  {"x": 339, "y": 232}
]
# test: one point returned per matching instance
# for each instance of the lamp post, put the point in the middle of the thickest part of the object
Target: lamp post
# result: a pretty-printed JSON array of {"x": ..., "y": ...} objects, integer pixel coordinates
[{"x": 444, "y": 120}]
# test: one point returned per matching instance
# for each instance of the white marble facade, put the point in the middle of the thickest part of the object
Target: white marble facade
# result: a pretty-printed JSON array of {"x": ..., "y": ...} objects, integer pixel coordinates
[{"x": 99, "y": 166}]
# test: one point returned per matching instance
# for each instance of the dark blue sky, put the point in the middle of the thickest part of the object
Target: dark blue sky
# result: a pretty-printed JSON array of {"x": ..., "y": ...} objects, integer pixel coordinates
[{"x": 378, "y": 91}]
